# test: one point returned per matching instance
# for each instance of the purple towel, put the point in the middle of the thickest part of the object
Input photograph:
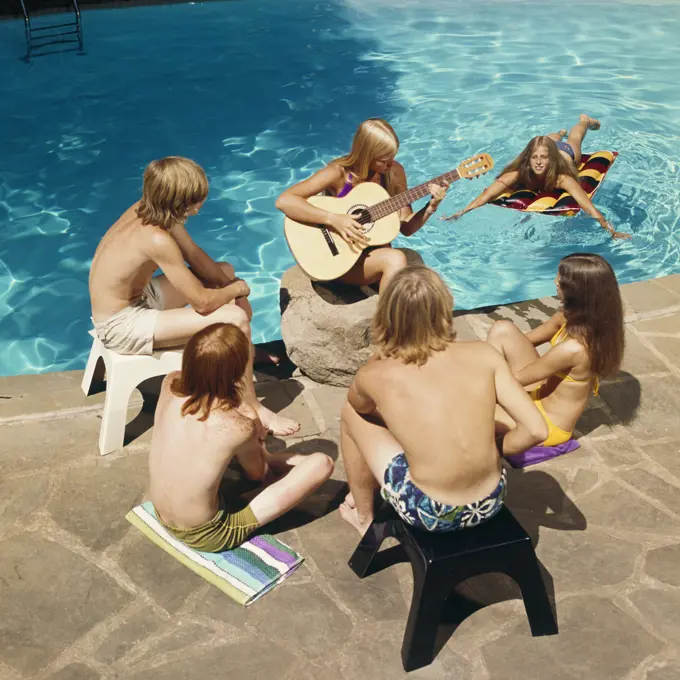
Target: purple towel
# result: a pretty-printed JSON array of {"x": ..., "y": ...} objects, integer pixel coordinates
[{"x": 540, "y": 453}]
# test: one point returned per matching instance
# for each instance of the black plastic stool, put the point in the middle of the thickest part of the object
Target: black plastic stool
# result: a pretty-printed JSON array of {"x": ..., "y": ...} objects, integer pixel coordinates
[{"x": 440, "y": 561}]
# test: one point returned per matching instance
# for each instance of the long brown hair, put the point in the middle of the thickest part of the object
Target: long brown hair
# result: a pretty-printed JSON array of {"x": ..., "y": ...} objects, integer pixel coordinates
[
  {"x": 557, "y": 165},
  {"x": 592, "y": 307},
  {"x": 374, "y": 138},
  {"x": 213, "y": 364},
  {"x": 172, "y": 186},
  {"x": 414, "y": 317}
]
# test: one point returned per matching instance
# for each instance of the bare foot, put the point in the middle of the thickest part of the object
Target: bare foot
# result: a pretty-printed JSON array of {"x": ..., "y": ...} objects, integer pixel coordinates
[
  {"x": 276, "y": 424},
  {"x": 562, "y": 133},
  {"x": 349, "y": 500},
  {"x": 593, "y": 123},
  {"x": 351, "y": 516},
  {"x": 261, "y": 356}
]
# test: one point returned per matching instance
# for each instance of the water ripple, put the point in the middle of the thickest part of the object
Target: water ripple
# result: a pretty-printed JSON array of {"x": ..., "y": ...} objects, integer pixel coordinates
[{"x": 282, "y": 96}]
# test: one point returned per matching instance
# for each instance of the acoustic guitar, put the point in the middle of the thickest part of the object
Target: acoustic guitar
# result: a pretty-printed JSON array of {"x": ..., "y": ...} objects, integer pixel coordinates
[{"x": 322, "y": 253}]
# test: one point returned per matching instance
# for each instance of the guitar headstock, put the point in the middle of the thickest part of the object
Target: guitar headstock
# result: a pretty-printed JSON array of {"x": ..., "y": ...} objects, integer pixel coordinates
[{"x": 476, "y": 166}]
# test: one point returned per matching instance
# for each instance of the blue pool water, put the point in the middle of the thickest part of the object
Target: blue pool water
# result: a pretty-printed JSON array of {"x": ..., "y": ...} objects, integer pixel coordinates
[{"x": 262, "y": 93}]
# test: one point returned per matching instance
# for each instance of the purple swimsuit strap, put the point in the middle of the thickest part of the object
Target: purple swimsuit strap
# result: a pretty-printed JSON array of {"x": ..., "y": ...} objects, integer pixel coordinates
[
  {"x": 345, "y": 190},
  {"x": 349, "y": 186}
]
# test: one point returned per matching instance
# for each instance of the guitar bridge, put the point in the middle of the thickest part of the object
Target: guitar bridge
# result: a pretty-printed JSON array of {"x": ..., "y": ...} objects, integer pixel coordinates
[{"x": 331, "y": 243}]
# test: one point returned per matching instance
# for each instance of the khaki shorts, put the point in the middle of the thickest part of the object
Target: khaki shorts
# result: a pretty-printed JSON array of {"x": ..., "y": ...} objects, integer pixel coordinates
[
  {"x": 225, "y": 531},
  {"x": 130, "y": 331}
]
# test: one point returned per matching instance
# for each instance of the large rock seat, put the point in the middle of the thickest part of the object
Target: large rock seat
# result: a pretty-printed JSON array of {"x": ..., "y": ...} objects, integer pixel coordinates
[{"x": 326, "y": 326}]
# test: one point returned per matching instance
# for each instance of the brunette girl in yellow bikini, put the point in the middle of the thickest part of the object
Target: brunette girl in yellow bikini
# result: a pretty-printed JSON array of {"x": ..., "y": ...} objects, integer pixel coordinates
[{"x": 587, "y": 341}]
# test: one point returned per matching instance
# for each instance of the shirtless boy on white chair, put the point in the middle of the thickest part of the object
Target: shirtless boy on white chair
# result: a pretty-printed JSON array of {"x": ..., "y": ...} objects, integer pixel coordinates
[{"x": 135, "y": 312}]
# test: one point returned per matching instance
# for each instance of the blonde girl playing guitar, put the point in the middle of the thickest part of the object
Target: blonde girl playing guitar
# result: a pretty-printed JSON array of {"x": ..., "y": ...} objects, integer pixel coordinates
[{"x": 371, "y": 159}]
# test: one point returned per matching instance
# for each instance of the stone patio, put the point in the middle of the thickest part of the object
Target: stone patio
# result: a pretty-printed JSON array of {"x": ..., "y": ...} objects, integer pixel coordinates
[{"x": 84, "y": 596}]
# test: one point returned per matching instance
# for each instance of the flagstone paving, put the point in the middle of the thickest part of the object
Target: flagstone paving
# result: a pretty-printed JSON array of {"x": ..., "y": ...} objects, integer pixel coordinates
[{"x": 83, "y": 596}]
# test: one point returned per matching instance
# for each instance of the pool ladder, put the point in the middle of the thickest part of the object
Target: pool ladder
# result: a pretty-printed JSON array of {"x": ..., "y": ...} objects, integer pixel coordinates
[{"x": 42, "y": 36}]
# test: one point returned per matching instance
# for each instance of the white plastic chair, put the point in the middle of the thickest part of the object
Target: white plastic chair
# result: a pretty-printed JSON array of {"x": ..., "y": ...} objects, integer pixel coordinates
[{"x": 123, "y": 373}]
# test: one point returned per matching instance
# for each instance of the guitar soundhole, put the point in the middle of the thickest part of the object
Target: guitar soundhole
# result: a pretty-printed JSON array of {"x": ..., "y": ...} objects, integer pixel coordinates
[{"x": 360, "y": 214}]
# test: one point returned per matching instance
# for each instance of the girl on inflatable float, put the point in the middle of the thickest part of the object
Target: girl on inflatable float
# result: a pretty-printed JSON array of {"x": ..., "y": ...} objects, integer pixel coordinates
[{"x": 548, "y": 163}]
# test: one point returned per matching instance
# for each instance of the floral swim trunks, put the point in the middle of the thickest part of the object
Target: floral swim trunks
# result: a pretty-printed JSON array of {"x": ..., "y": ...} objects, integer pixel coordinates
[{"x": 422, "y": 512}]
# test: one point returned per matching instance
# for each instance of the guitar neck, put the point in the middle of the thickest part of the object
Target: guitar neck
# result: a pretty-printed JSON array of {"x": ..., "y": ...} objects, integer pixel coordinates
[{"x": 394, "y": 203}]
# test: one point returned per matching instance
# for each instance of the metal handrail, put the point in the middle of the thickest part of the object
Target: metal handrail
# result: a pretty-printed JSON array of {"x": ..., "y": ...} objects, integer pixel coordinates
[
  {"x": 27, "y": 29},
  {"x": 80, "y": 29},
  {"x": 30, "y": 31}
]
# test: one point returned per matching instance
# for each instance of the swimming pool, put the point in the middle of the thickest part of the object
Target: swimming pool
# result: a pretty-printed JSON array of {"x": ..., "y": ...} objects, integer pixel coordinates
[{"x": 262, "y": 93}]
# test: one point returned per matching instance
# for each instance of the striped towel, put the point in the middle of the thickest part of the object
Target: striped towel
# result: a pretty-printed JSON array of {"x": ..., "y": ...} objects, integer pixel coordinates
[{"x": 245, "y": 573}]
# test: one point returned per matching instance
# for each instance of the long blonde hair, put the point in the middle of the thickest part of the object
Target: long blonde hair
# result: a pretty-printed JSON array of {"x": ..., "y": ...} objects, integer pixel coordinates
[
  {"x": 557, "y": 165},
  {"x": 414, "y": 317},
  {"x": 374, "y": 138},
  {"x": 172, "y": 186}
]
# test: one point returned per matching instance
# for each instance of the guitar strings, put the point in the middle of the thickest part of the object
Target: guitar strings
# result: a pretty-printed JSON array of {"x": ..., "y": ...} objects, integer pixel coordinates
[{"x": 393, "y": 203}]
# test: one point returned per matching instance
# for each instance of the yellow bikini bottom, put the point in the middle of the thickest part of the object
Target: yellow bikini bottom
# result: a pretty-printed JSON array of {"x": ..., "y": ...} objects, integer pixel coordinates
[{"x": 556, "y": 435}]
